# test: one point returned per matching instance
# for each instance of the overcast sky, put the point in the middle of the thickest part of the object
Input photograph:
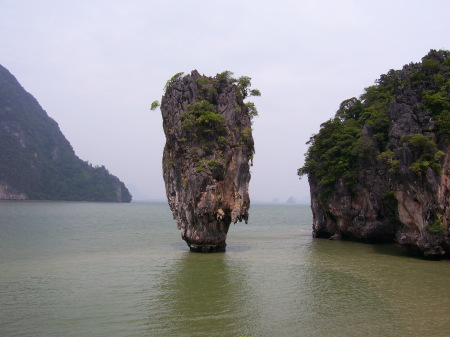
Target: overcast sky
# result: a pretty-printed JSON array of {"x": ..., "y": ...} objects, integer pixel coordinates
[{"x": 95, "y": 66}]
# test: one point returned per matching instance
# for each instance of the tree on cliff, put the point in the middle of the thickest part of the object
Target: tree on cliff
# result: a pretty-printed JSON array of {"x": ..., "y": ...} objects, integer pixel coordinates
[
  {"x": 336, "y": 151},
  {"x": 377, "y": 165}
]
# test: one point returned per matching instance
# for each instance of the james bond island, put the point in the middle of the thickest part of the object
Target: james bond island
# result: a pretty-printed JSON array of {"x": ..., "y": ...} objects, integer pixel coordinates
[
  {"x": 208, "y": 153},
  {"x": 380, "y": 169}
]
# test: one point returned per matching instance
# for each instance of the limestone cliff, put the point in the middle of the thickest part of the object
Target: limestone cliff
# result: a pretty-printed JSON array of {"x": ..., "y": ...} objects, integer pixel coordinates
[
  {"x": 379, "y": 170},
  {"x": 207, "y": 156},
  {"x": 37, "y": 162}
]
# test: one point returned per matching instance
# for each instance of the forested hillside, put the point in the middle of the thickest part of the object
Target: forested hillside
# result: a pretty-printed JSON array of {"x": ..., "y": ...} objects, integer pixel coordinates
[{"x": 36, "y": 160}]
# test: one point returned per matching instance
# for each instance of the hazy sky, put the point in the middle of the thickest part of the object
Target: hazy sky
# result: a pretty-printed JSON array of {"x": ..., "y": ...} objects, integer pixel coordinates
[{"x": 95, "y": 66}]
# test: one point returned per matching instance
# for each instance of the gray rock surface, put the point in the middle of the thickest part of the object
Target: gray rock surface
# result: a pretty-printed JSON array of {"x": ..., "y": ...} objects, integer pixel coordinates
[
  {"x": 207, "y": 156},
  {"x": 395, "y": 204}
]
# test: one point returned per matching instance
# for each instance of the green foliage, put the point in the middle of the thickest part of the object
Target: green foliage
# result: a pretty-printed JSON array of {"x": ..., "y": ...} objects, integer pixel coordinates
[
  {"x": 38, "y": 160},
  {"x": 376, "y": 100},
  {"x": 154, "y": 105},
  {"x": 222, "y": 142},
  {"x": 243, "y": 88},
  {"x": 251, "y": 109},
  {"x": 245, "y": 136},
  {"x": 430, "y": 66},
  {"x": 436, "y": 102},
  {"x": 204, "y": 130},
  {"x": 225, "y": 77},
  {"x": 364, "y": 149},
  {"x": 436, "y": 93},
  {"x": 208, "y": 165},
  {"x": 428, "y": 154},
  {"x": 332, "y": 153},
  {"x": 340, "y": 149},
  {"x": 389, "y": 158},
  {"x": 443, "y": 126},
  {"x": 349, "y": 109},
  {"x": 437, "y": 228},
  {"x": 172, "y": 80},
  {"x": 207, "y": 88},
  {"x": 255, "y": 92},
  {"x": 244, "y": 81},
  {"x": 201, "y": 122}
]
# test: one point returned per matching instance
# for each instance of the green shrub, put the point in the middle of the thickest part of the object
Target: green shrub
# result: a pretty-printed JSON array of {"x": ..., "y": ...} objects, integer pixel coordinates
[
  {"x": 154, "y": 105},
  {"x": 443, "y": 126},
  {"x": 340, "y": 150},
  {"x": 427, "y": 152},
  {"x": 437, "y": 228},
  {"x": 389, "y": 158},
  {"x": 173, "y": 79},
  {"x": 200, "y": 120},
  {"x": 210, "y": 165}
]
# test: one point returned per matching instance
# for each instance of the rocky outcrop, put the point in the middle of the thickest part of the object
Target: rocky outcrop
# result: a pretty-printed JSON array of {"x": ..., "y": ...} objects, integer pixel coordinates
[
  {"x": 207, "y": 156},
  {"x": 394, "y": 183},
  {"x": 9, "y": 193}
]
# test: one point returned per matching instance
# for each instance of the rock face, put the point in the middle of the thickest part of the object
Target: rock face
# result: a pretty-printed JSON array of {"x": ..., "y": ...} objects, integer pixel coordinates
[
  {"x": 37, "y": 162},
  {"x": 388, "y": 180},
  {"x": 206, "y": 160}
]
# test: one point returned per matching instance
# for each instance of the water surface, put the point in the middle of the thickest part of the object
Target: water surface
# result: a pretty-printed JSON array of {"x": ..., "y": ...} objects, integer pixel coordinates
[{"x": 98, "y": 269}]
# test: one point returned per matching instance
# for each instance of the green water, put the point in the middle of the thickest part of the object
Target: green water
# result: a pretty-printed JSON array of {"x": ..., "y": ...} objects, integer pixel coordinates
[{"x": 95, "y": 269}]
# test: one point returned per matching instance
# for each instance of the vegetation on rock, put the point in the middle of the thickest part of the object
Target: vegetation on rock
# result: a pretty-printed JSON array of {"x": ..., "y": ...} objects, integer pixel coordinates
[
  {"x": 202, "y": 125},
  {"x": 37, "y": 160},
  {"x": 208, "y": 152},
  {"x": 378, "y": 169},
  {"x": 341, "y": 150}
]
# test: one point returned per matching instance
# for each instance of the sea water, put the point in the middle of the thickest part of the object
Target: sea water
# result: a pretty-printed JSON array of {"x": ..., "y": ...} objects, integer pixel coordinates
[{"x": 100, "y": 269}]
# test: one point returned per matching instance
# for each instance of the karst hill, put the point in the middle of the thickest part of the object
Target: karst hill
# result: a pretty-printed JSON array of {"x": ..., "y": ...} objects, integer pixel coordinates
[
  {"x": 379, "y": 169},
  {"x": 37, "y": 162}
]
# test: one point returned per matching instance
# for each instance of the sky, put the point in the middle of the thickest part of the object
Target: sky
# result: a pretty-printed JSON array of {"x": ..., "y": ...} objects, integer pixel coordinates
[{"x": 95, "y": 66}]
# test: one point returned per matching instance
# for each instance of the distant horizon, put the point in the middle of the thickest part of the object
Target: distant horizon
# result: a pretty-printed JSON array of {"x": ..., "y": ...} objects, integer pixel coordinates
[{"x": 301, "y": 202}]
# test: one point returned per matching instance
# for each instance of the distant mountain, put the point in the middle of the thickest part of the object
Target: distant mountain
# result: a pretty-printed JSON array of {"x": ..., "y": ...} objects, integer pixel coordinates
[
  {"x": 291, "y": 200},
  {"x": 36, "y": 160}
]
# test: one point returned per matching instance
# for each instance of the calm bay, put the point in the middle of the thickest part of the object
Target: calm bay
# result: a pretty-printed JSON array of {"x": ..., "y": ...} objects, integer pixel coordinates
[{"x": 99, "y": 269}]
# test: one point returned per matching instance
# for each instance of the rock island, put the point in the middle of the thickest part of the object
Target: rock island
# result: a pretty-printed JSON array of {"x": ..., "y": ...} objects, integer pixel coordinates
[
  {"x": 380, "y": 169},
  {"x": 207, "y": 156}
]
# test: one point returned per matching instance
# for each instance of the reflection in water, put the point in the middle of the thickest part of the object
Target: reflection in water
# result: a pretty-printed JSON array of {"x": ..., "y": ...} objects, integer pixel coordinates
[
  {"x": 295, "y": 292},
  {"x": 378, "y": 290},
  {"x": 109, "y": 270},
  {"x": 201, "y": 295},
  {"x": 341, "y": 301}
]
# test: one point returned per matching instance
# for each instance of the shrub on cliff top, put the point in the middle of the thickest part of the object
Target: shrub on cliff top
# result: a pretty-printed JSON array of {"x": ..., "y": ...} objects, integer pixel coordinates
[{"x": 340, "y": 151}]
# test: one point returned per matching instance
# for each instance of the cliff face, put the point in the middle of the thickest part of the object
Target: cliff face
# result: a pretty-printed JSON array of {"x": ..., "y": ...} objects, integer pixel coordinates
[
  {"x": 206, "y": 160},
  {"x": 379, "y": 171},
  {"x": 36, "y": 160}
]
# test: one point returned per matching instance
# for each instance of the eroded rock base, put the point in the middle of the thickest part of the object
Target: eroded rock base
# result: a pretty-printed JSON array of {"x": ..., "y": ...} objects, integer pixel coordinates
[{"x": 221, "y": 248}]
